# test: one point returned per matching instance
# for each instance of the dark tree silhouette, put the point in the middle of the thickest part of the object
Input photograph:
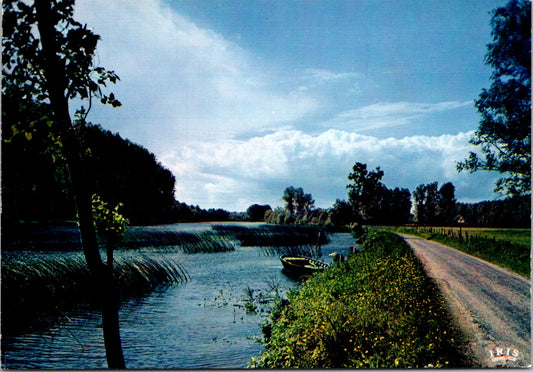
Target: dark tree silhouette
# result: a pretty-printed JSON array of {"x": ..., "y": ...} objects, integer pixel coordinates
[
  {"x": 52, "y": 69},
  {"x": 504, "y": 132}
]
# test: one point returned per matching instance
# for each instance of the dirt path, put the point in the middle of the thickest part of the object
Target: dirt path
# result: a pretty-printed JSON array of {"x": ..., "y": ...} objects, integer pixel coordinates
[{"x": 492, "y": 305}]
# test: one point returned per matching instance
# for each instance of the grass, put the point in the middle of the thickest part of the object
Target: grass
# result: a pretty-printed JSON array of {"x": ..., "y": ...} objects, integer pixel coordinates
[
  {"x": 376, "y": 310},
  {"x": 39, "y": 287},
  {"x": 509, "y": 248}
]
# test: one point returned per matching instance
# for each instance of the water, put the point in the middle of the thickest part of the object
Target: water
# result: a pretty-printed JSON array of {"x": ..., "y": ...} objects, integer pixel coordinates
[{"x": 202, "y": 323}]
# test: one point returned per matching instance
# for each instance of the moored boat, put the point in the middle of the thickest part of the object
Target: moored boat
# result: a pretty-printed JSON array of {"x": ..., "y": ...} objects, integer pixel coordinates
[{"x": 300, "y": 265}]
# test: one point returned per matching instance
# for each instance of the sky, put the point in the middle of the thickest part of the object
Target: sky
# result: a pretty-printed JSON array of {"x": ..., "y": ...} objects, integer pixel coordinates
[{"x": 242, "y": 99}]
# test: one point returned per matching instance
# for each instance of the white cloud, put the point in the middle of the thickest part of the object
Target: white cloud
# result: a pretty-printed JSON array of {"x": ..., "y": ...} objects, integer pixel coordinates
[
  {"x": 383, "y": 115},
  {"x": 181, "y": 82},
  {"x": 189, "y": 94},
  {"x": 240, "y": 173}
]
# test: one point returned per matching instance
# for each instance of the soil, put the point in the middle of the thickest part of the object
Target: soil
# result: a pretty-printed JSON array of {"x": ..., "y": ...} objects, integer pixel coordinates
[{"x": 492, "y": 305}]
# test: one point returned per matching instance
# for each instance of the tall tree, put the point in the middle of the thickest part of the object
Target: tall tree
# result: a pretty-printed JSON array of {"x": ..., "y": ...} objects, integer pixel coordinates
[
  {"x": 504, "y": 132},
  {"x": 49, "y": 57},
  {"x": 296, "y": 201},
  {"x": 366, "y": 194},
  {"x": 426, "y": 198},
  {"x": 446, "y": 208}
]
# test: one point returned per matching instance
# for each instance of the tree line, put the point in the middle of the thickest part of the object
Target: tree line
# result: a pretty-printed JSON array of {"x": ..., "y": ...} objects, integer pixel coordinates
[
  {"x": 35, "y": 187},
  {"x": 370, "y": 202}
]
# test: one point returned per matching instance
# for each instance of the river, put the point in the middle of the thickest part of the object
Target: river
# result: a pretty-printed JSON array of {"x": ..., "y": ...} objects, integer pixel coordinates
[{"x": 202, "y": 323}]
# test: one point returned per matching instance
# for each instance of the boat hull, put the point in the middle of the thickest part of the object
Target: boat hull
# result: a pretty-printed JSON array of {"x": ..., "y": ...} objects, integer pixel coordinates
[{"x": 300, "y": 265}]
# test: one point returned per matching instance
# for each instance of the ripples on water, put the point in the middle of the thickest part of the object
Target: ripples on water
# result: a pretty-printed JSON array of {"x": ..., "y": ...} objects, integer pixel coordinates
[{"x": 198, "y": 324}]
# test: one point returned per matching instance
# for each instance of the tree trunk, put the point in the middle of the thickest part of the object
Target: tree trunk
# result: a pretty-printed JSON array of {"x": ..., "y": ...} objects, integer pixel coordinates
[{"x": 56, "y": 85}]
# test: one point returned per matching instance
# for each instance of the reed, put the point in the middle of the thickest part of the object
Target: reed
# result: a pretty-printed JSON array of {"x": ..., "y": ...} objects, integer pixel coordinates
[
  {"x": 38, "y": 287},
  {"x": 66, "y": 239},
  {"x": 274, "y": 235}
]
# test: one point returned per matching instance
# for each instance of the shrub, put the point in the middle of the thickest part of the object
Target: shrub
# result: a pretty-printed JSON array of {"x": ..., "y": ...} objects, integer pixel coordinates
[{"x": 376, "y": 310}]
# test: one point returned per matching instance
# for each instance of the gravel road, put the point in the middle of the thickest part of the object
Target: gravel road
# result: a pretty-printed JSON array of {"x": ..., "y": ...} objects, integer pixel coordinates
[{"x": 492, "y": 305}]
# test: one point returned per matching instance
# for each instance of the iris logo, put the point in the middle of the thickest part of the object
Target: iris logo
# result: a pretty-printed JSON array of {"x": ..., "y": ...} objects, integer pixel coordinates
[{"x": 500, "y": 354}]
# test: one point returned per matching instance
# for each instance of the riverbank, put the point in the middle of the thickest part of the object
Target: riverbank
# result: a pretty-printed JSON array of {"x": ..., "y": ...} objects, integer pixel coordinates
[{"x": 376, "y": 310}]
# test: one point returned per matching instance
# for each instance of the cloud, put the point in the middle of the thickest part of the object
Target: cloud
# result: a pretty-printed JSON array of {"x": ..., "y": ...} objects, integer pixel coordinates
[
  {"x": 237, "y": 174},
  {"x": 199, "y": 101},
  {"x": 384, "y": 115},
  {"x": 180, "y": 82}
]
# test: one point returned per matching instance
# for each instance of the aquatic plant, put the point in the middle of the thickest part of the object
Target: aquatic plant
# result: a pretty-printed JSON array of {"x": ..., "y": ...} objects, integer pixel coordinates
[
  {"x": 274, "y": 235},
  {"x": 39, "y": 286}
]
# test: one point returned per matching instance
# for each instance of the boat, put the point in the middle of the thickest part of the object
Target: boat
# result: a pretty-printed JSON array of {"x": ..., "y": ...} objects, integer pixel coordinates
[{"x": 300, "y": 265}]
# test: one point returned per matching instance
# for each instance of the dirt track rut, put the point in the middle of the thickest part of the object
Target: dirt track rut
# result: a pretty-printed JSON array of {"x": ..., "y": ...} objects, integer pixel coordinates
[{"x": 492, "y": 305}]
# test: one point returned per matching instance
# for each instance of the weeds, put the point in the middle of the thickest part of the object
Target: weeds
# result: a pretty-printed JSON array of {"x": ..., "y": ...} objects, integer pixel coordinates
[{"x": 377, "y": 310}]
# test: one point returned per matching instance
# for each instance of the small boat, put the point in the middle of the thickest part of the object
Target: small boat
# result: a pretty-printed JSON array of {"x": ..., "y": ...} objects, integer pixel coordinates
[{"x": 300, "y": 265}]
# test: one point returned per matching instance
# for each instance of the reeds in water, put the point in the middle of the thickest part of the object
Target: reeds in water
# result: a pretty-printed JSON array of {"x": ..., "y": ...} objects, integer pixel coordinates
[
  {"x": 168, "y": 240},
  {"x": 37, "y": 287},
  {"x": 274, "y": 235}
]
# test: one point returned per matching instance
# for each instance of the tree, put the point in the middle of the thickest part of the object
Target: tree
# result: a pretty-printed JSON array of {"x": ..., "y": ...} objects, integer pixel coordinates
[
  {"x": 426, "y": 199},
  {"x": 366, "y": 194},
  {"x": 504, "y": 132},
  {"x": 296, "y": 201},
  {"x": 446, "y": 208},
  {"x": 399, "y": 207},
  {"x": 48, "y": 57},
  {"x": 434, "y": 206},
  {"x": 341, "y": 214},
  {"x": 256, "y": 212}
]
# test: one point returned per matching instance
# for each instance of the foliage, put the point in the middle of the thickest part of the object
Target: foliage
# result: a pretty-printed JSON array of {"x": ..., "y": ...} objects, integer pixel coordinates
[
  {"x": 372, "y": 202},
  {"x": 377, "y": 310},
  {"x": 38, "y": 287},
  {"x": 34, "y": 177},
  {"x": 498, "y": 250},
  {"x": 35, "y": 186},
  {"x": 504, "y": 133},
  {"x": 24, "y": 56},
  {"x": 434, "y": 206},
  {"x": 297, "y": 202},
  {"x": 110, "y": 224},
  {"x": 513, "y": 212},
  {"x": 316, "y": 217},
  {"x": 256, "y": 212},
  {"x": 341, "y": 213},
  {"x": 126, "y": 173}
]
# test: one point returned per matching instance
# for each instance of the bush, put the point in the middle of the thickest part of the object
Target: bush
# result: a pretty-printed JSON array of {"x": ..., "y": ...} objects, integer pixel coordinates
[{"x": 376, "y": 310}]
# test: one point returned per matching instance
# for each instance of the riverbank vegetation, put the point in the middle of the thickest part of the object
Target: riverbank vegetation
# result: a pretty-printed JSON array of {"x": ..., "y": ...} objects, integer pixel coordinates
[
  {"x": 376, "y": 310},
  {"x": 39, "y": 287},
  {"x": 509, "y": 248}
]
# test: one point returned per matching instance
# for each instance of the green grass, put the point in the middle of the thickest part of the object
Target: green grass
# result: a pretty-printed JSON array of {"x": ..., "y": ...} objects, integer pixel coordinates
[
  {"x": 39, "y": 287},
  {"x": 509, "y": 248},
  {"x": 376, "y": 310}
]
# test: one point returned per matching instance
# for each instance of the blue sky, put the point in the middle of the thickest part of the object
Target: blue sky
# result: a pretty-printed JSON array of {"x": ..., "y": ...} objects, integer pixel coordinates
[{"x": 241, "y": 99}]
